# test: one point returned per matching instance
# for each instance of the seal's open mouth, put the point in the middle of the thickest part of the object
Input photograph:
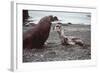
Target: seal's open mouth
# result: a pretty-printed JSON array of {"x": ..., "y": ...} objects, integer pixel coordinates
[{"x": 56, "y": 24}]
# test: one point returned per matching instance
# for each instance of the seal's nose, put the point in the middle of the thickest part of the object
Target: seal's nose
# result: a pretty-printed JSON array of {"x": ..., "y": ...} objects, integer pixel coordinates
[{"x": 55, "y": 18}]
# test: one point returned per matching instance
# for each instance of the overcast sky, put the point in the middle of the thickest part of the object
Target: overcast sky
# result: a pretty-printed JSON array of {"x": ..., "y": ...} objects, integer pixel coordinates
[{"x": 65, "y": 17}]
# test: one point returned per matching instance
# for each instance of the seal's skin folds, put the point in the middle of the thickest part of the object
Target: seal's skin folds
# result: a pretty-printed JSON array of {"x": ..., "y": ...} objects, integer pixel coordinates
[{"x": 38, "y": 34}]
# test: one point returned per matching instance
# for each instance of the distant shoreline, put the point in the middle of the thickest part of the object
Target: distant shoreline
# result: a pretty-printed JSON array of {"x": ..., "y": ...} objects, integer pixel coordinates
[{"x": 74, "y": 24}]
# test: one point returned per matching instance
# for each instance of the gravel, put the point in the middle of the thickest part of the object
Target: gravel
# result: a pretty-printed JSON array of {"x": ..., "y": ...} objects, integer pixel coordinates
[{"x": 54, "y": 51}]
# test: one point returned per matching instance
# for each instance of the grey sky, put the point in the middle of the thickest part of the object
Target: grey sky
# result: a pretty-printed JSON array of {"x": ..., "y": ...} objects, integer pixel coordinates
[{"x": 65, "y": 17}]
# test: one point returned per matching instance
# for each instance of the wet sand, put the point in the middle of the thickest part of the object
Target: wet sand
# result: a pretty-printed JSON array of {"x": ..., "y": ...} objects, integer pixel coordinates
[{"x": 54, "y": 51}]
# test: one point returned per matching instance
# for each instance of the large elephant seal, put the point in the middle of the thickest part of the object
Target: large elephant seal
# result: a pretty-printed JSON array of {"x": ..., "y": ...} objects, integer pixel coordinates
[{"x": 38, "y": 34}]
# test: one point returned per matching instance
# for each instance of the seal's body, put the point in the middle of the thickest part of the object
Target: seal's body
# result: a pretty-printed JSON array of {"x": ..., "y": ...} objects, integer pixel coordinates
[
  {"x": 67, "y": 40},
  {"x": 38, "y": 34}
]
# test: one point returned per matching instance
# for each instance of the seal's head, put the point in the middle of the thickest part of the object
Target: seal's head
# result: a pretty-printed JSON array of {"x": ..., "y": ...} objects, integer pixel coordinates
[
  {"x": 53, "y": 19},
  {"x": 58, "y": 27}
]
